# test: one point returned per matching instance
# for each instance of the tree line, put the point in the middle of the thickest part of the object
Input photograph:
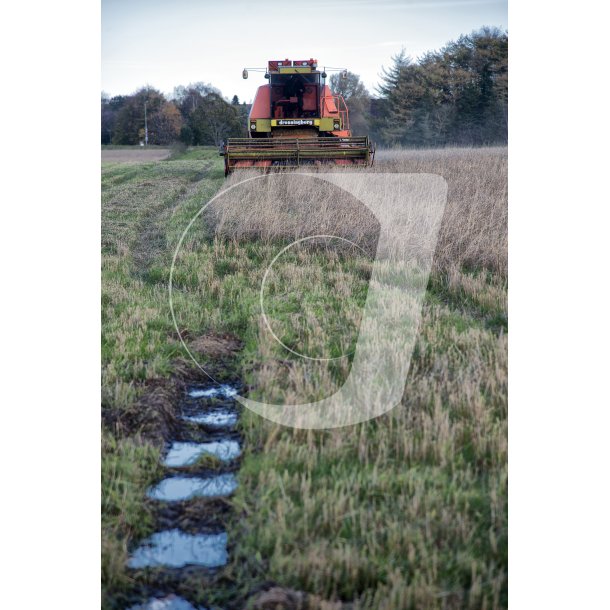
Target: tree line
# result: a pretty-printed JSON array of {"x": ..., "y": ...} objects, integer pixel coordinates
[
  {"x": 196, "y": 114},
  {"x": 456, "y": 95}
]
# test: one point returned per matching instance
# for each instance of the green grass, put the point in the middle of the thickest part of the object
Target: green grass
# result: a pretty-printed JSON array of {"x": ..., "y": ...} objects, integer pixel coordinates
[
  {"x": 197, "y": 153},
  {"x": 128, "y": 468},
  {"x": 405, "y": 511}
]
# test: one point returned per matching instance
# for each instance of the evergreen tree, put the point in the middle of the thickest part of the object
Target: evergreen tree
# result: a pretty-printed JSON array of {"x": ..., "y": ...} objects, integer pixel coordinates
[{"x": 458, "y": 95}]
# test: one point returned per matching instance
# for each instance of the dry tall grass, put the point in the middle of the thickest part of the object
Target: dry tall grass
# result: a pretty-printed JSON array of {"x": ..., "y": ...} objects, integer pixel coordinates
[{"x": 474, "y": 229}]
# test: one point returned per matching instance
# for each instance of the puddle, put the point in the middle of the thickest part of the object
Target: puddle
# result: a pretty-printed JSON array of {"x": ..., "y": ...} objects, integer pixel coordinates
[
  {"x": 223, "y": 390},
  {"x": 185, "y": 454},
  {"x": 176, "y": 549},
  {"x": 214, "y": 419},
  {"x": 171, "y": 602},
  {"x": 184, "y": 488}
]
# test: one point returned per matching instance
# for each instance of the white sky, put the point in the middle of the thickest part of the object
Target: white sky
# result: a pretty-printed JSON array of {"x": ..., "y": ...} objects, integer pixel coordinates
[{"x": 165, "y": 43}]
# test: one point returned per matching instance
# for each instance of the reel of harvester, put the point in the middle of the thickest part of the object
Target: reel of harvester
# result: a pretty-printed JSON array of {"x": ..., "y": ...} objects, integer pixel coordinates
[{"x": 241, "y": 153}]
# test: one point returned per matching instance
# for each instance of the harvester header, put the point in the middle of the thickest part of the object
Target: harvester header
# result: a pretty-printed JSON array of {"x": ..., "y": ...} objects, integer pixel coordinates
[{"x": 296, "y": 120}]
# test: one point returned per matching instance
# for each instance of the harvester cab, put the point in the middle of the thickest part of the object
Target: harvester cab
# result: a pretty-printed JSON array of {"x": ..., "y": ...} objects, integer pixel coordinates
[{"x": 296, "y": 120}]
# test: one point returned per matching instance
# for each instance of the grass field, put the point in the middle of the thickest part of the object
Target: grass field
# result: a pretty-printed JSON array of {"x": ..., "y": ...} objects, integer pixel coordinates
[{"x": 405, "y": 511}]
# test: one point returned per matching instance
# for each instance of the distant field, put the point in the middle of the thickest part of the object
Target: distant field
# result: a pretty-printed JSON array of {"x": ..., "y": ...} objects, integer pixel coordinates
[
  {"x": 133, "y": 154},
  {"x": 408, "y": 511}
]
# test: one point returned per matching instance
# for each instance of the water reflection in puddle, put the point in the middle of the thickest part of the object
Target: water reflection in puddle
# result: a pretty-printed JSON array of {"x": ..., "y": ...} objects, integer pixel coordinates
[
  {"x": 226, "y": 391},
  {"x": 215, "y": 419},
  {"x": 171, "y": 602},
  {"x": 176, "y": 549},
  {"x": 184, "y": 488},
  {"x": 185, "y": 454}
]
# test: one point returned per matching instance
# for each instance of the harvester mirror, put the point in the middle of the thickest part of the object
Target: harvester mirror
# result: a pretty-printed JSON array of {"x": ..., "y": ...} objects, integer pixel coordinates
[
  {"x": 244, "y": 73},
  {"x": 324, "y": 75},
  {"x": 344, "y": 74}
]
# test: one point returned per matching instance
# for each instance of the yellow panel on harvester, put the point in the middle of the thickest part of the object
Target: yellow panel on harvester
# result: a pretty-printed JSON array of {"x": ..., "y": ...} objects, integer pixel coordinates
[{"x": 300, "y": 70}]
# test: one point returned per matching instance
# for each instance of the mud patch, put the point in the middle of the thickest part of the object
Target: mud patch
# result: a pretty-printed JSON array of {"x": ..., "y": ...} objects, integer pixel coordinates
[
  {"x": 195, "y": 516},
  {"x": 289, "y": 599},
  {"x": 153, "y": 417},
  {"x": 216, "y": 345}
]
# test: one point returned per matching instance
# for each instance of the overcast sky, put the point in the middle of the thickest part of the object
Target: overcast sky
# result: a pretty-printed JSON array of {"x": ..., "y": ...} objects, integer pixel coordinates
[{"x": 165, "y": 43}]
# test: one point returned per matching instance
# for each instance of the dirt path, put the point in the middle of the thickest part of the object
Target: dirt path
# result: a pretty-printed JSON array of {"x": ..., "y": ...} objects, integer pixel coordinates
[{"x": 134, "y": 155}]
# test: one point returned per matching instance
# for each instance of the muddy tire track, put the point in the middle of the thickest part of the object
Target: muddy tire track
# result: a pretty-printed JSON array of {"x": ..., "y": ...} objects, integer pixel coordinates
[
  {"x": 190, "y": 503},
  {"x": 191, "y": 497}
]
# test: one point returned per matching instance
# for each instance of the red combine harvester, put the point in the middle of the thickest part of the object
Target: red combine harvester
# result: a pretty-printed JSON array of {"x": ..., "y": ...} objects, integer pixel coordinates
[{"x": 296, "y": 120}]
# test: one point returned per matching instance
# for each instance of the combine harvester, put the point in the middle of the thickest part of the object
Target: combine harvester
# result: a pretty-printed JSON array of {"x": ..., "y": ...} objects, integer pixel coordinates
[{"x": 296, "y": 120}]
